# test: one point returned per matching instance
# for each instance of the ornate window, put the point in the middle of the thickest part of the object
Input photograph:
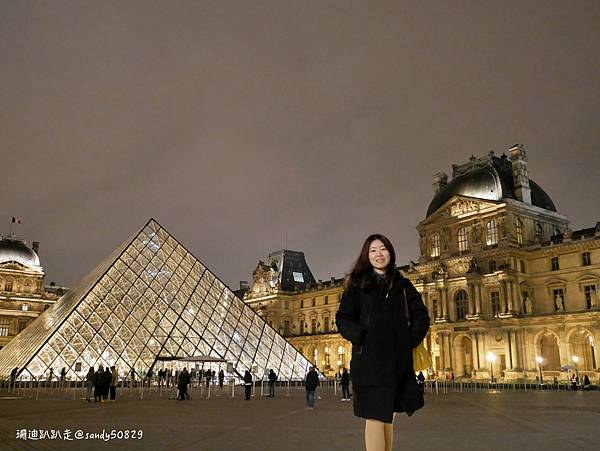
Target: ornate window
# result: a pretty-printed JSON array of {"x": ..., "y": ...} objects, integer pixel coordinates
[
  {"x": 493, "y": 266},
  {"x": 435, "y": 245},
  {"x": 327, "y": 357},
  {"x": 24, "y": 307},
  {"x": 491, "y": 233},
  {"x": 519, "y": 230},
  {"x": 463, "y": 239},
  {"x": 495, "y": 301},
  {"x": 8, "y": 285},
  {"x": 326, "y": 324},
  {"x": 587, "y": 260},
  {"x": 286, "y": 328},
  {"x": 341, "y": 356},
  {"x": 22, "y": 325},
  {"x": 4, "y": 326},
  {"x": 462, "y": 305},
  {"x": 313, "y": 325},
  {"x": 554, "y": 264},
  {"x": 539, "y": 232},
  {"x": 590, "y": 295}
]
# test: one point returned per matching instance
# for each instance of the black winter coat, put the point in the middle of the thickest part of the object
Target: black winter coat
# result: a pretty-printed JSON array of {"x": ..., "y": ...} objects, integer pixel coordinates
[
  {"x": 312, "y": 381},
  {"x": 382, "y": 340}
]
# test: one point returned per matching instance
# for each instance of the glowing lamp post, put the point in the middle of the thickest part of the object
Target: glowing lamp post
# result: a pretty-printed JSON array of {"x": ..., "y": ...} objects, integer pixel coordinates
[
  {"x": 491, "y": 358},
  {"x": 540, "y": 361}
]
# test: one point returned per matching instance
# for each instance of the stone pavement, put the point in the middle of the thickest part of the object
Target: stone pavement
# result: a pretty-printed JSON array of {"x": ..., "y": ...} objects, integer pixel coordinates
[{"x": 523, "y": 421}]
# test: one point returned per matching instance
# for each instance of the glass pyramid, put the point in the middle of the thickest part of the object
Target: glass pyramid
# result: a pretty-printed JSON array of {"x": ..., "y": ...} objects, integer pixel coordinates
[{"x": 149, "y": 299}]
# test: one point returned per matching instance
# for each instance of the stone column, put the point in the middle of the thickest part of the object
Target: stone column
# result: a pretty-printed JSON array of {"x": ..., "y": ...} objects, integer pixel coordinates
[
  {"x": 471, "y": 299},
  {"x": 474, "y": 350},
  {"x": 478, "y": 299},
  {"x": 503, "y": 300},
  {"x": 517, "y": 301},
  {"x": 509, "y": 297},
  {"x": 597, "y": 348},
  {"x": 444, "y": 304}
]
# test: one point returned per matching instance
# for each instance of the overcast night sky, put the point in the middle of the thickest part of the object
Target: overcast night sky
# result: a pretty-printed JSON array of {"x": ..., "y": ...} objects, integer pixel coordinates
[{"x": 236, "y": 123}]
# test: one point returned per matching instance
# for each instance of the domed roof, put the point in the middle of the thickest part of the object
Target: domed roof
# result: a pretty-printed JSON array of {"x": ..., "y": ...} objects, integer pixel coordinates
[
  {"x": 14, "y": 249},
  {"x": 486, "y": 178}
]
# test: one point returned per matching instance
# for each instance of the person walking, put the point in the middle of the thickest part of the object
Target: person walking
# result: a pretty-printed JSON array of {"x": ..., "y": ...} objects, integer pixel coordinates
[
  {"x": 221, "y": 378},
  {"x": 208, "y": 377},
  {"x": 106, "y": 378},
  {"x": 421, "y": 382},
  {"x": 182, "y": 385},
  {"x": 272, "y": 380},
  {"x": 247, "y": 384},
  {"x": 89, "y": 384},
  {"x": 345, "y": 383},
  {"x": 114, "y": 379},
  {"x": 372, "y": 315},
  {"x": 311, "y": 383}
]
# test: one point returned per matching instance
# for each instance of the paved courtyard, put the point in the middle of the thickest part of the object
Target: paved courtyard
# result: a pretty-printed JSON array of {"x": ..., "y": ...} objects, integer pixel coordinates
[{"x": 531, "y": 420}]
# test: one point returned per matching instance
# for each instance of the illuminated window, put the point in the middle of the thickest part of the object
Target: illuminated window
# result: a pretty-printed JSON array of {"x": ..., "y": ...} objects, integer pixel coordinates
[
  {"x": 435, "y": 245},
  {"x": 341, "y": 356},
  {"x": 315, "y": 357},
  {"x": 4, "y": 326},
  {"x": 327, "y": 357},
  {"x": 495, "y": 301},
  {"x": 587, "y": 260},
  {"x": 491, "y": 233},
  {"x": 24, "y": 307},
  {"x": 519, "y": 230},
  {"x": 554, "y": 264},
  {"x": 298, "y": 277},
  {"x": 462, "y": 305},
  {"x": 463, "y": 239},
  {"x": 326, "y": 324}
]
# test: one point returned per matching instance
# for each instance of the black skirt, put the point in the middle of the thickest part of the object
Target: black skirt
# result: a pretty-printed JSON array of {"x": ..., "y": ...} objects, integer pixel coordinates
[{"x": 380, "y": 403}]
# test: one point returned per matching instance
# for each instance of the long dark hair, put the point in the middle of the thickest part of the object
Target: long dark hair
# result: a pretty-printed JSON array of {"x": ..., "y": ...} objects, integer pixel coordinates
[{"x": 361, "y": 275}]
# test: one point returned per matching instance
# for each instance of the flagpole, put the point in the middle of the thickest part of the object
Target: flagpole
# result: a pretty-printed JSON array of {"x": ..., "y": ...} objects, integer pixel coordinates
[{"x": 11, "y": 225}]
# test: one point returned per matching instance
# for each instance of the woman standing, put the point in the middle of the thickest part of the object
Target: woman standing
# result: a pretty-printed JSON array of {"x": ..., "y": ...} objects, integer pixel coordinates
[{"x": 372, "y": 315}]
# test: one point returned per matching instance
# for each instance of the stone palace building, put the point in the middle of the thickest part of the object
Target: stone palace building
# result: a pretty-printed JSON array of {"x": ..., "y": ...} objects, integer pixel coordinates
[{"x": 511, "y": 289}]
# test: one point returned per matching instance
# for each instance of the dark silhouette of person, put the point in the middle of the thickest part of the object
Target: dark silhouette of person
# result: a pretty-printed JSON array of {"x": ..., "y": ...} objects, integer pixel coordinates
[
  {"x": 247, "y": 384},
  {"x": 345, "y": 383},
  {"x": 182, "y": 385},
  {"x": 272, "y": 380},
  {"x": 311, "y": 383}
]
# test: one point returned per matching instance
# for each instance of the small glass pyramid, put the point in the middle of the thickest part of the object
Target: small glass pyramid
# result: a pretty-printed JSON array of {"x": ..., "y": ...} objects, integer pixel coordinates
[{"x": 149, "y": 300}]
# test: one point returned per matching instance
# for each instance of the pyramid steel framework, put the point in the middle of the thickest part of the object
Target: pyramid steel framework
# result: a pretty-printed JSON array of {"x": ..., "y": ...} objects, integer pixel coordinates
[{"x": 150, "y": 299}]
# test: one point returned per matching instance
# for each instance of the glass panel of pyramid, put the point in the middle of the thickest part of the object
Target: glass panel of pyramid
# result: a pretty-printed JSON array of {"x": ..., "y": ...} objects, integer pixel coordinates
[{"x": 149, "y": 300}]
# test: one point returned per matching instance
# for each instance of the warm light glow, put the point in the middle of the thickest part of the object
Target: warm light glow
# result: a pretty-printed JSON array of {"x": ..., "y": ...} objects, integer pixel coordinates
[
  {"x": 491, "y": 357},
  {"x": 575, "y": 359},
  {"x": 539, "y": 359}
]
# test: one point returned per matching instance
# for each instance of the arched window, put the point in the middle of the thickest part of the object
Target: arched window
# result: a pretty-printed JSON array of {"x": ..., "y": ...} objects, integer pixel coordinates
[
  {"x": 327, "y": 357},
  {"x": 463, "y": 239},
  {"x": 519, "y": 230},
  {"x": 341, "y": 356},
  {"x": 491, "y": 233},
  {"x": 462, "y": 305},
  {"x": 539, "y": 232},
  {"x": 435, "y": 245},
  {"x": 8, "y": 285}
]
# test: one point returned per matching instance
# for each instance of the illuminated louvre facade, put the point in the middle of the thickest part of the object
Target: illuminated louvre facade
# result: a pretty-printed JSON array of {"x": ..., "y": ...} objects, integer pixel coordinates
[
  {"x": 505, "y": 279},
  {"x": 149, "y": 300},
  {"x": 23, "y": 296}
]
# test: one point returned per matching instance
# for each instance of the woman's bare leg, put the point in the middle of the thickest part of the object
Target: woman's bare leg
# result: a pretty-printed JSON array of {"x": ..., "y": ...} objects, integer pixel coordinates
[
  {"x": 375, "y": 439},
  {"x": 388, "y": 429}
]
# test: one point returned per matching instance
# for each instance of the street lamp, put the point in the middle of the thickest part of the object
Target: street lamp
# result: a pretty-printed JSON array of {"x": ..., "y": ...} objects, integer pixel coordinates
[
  {"x": 540, "y": 361},
  {"x": 491, "y": 358},
  {"x": 576, "y": 361}
]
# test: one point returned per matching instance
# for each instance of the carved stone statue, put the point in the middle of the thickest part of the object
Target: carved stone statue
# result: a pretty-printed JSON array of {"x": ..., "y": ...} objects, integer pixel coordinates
[
  {"x": 528, "y": 305},
  {"x": 422, "y": 243},
  {"x": 559, "y": 303}
]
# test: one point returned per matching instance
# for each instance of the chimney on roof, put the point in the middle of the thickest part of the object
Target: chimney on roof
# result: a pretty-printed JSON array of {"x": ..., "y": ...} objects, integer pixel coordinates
[
  {"x": 520, "y": 175},
  {"x": 35, "y": 246},
  {"x": 440, "y": 180},
  {"x": 244, "y": 285}
]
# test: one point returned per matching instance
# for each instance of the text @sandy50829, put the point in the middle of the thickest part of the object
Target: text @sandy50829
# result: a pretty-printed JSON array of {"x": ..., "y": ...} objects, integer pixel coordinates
[{"x": 78, "y": 434}]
